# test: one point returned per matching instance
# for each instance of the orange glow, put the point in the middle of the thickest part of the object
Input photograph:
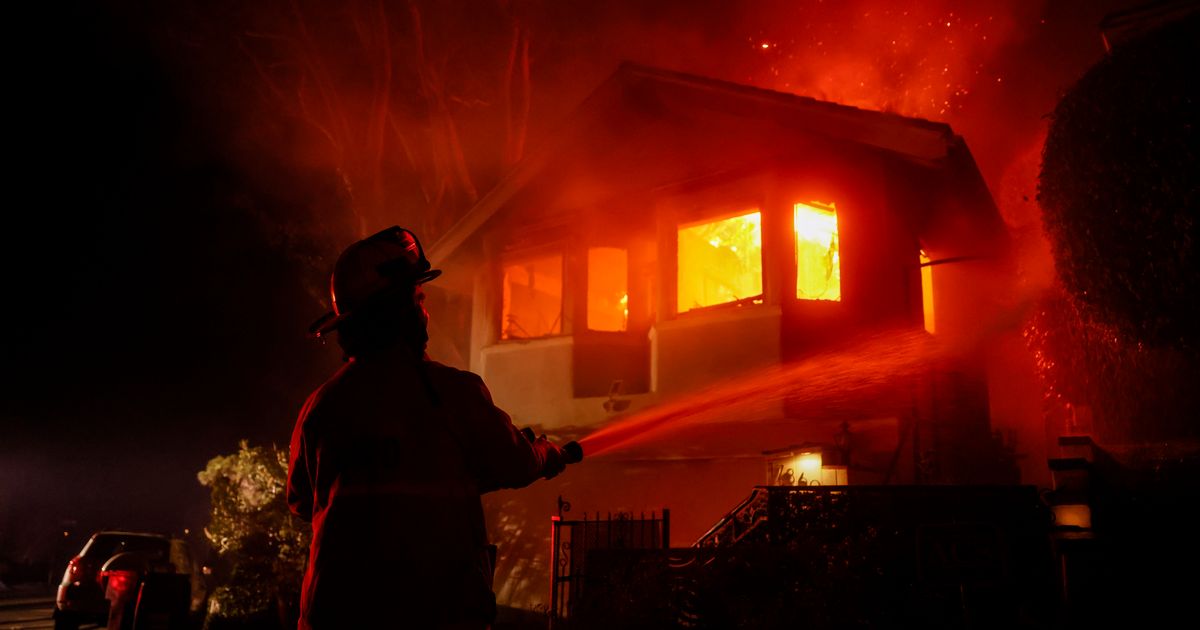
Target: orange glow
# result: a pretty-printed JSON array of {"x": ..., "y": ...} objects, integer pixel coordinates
[
  {"x": 720, "y": 261},
  {"x": 818, "y": 263},
  {"x": 809, "y": 464},
  {"x": 800, "y": 469},
  {"x": 608, "y": 291},
  {"x": 532, "y": 298},
  {"x": 927, "y": 293},
  {"x": 1073, "y": 515}
]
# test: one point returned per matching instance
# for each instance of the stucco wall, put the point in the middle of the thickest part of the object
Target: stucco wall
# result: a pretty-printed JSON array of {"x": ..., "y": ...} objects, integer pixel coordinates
[
  {"x": 698, "y": 350},
  {"x": 531, "y": 380}
]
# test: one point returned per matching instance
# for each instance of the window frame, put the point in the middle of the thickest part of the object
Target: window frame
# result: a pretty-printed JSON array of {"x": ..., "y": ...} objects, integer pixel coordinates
[
  {"x": 712, "y": 213},
  {"x": 794, "y": 260},
  {"x": 557, "y": 248},
  {"x": 586, "y": 289}
]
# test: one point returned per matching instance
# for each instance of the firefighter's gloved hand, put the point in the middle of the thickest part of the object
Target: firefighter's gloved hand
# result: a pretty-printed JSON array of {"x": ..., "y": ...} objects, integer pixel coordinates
[{"x": 556, "y": 461}]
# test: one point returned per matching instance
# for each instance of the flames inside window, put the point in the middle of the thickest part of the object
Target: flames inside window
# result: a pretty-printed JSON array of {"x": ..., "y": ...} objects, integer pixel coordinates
[
  {"x": 927, "y": 293},
  {"x": 532, "y": 298},
  {"x": 720, "y": 261},
  {"x": 608, "y": 291},
  {"x": 818, "y": 266}
]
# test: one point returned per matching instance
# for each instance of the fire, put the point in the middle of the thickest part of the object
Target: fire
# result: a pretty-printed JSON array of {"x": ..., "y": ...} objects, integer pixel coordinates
[
  {"x": 532, "y": 298},
  {"x": 818, "y": 265},
  {"x": 720, "y": 261},
  {"x": 607, "y": 290},
  {"x": 927, "y": 293}
]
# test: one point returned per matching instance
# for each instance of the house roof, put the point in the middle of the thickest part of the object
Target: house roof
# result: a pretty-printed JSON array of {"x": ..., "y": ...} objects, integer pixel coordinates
[{"x": 632, "y": 86}]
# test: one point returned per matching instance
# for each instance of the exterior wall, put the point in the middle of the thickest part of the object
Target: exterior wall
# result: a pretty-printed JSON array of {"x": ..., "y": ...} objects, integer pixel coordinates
[
  {"x": 694, "y": 350},
  {"x": 534, "y": 382},
  {"x": 697, "y": 350},
  {"x": 530, "y": 380},
  {"x": 483, "y": 329}
]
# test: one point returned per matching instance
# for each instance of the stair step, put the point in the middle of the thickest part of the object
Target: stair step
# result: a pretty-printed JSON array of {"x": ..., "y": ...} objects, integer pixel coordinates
[{"x": 1077, "y": 446}]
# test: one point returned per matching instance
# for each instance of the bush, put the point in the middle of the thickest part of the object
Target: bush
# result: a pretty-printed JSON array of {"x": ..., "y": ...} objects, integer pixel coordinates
[{"x": 264, "y": 547}]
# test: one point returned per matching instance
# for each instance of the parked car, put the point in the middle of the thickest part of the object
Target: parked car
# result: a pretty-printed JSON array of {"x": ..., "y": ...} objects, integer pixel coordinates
[{"x": 85, "y": 592}]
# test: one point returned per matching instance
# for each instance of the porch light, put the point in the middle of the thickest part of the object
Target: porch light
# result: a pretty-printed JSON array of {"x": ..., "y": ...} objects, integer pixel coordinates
[
  {"x": 805, "y": 465},
  {"x": 796, "y": 466}
]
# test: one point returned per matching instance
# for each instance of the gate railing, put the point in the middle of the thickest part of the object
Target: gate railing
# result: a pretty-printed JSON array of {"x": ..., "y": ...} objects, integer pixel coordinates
[{"x": 571, "y": 541}]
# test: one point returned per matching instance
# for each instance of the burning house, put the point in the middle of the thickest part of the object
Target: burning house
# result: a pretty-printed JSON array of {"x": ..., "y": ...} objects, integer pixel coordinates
[{"x": 679, "y": 233}]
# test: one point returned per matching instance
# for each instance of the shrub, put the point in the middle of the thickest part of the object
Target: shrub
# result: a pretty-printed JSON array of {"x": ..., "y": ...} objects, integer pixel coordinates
[{"x": 263, "y": 546}]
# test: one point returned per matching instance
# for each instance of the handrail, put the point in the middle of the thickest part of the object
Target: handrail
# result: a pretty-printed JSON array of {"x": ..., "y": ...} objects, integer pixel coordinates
[{"x": 730, "y": 519}]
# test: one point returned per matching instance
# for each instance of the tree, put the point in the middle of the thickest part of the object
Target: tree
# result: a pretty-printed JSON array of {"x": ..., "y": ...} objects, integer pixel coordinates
[
  {"x": 1120, "y": 195},
  {"x": 1120, "y": 191},
  {"x": 263, "y": 546}
]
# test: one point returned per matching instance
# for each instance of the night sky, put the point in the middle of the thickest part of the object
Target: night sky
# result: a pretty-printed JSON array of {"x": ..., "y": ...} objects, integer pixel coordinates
[{"x": 174, "y": 209}]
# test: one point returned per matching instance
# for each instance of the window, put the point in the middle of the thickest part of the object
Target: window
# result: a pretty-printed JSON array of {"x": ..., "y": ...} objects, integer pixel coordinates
[
  {"x": 608, "y": 291},
  {"x": 532, "y": 298},
  {"x": 927, "y": 292},
  {"x": 818, "y": 266},
  {"x": 720, "y": 261}
]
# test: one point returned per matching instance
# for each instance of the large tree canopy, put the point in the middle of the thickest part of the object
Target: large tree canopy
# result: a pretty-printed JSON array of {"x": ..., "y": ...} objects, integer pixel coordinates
[{"x": 1119, "y": 182}]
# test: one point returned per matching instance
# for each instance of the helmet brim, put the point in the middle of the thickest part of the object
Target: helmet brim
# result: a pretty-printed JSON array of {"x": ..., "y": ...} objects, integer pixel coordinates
[{"x": 330, "y": 321}]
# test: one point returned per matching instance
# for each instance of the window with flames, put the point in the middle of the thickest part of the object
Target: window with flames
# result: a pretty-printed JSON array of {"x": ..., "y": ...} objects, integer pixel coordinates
[
  {"x": 927, "y": 293},
  {"x": 818, "y": 262},
  {"x": 532, "y": 298},
  {"x": 720, "y": 262},
  {"x": 607, "y": 289}
]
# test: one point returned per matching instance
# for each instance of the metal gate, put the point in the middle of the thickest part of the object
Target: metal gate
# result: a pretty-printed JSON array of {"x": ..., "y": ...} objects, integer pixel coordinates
[{"x": 571, "y": 541}]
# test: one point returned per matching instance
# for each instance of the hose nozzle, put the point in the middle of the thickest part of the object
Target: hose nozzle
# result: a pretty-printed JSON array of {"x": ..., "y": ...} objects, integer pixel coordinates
[{"x": 572, "y": 452}]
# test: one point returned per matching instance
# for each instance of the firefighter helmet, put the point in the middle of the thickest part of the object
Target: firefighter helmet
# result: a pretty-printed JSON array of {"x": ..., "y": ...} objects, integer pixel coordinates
[{"x": 385, "y": 261}]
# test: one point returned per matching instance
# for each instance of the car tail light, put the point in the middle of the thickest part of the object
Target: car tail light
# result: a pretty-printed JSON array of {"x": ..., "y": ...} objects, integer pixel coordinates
[{"x": 120, "y": 582}]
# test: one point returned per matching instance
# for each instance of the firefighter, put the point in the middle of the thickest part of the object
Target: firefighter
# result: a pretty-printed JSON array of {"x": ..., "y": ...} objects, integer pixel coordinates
[{"x": 389, "y": 457}]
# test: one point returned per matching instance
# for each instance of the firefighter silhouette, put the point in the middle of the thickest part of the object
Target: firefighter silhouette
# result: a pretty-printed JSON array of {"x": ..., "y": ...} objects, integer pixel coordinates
[{"x": 389, "y": 457}]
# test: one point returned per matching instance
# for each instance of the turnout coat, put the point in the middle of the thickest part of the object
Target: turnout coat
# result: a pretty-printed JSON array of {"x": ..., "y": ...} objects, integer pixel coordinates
[{"x": 388, "y": 460}]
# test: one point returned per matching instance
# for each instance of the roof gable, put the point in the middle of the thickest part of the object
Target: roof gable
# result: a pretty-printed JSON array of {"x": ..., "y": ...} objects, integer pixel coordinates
[{"x": 636, "y": 92}]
